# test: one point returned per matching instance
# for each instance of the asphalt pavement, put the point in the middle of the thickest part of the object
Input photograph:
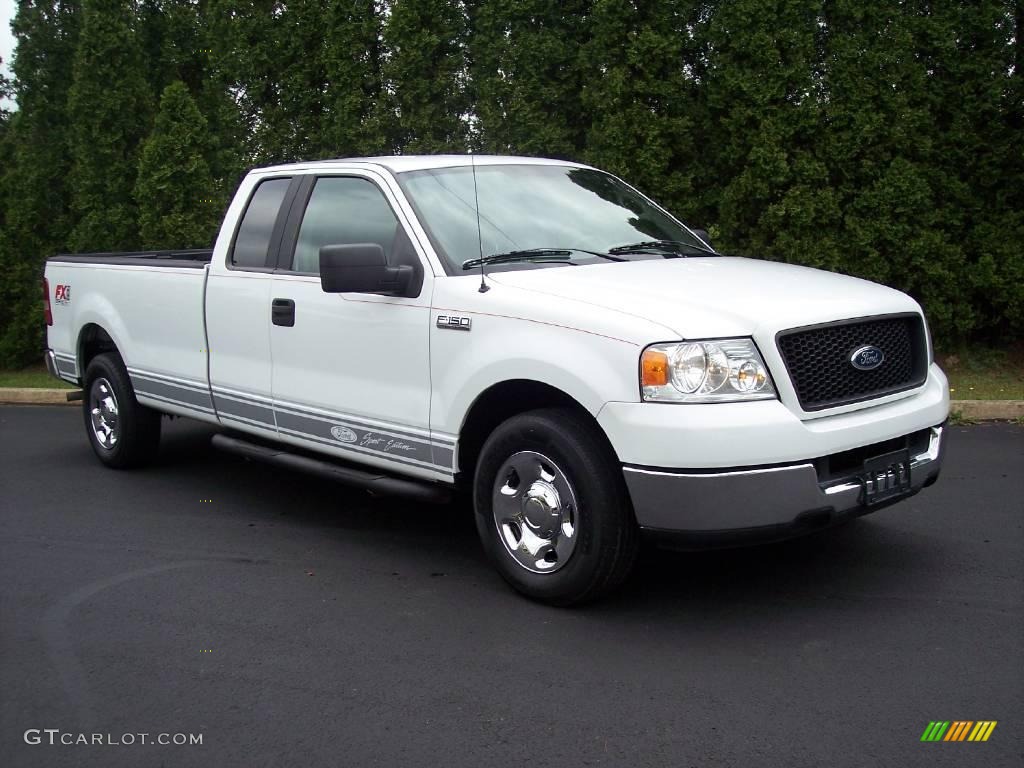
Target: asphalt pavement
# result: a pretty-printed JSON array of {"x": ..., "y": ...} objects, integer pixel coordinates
[{"x": 291, "y": 622}]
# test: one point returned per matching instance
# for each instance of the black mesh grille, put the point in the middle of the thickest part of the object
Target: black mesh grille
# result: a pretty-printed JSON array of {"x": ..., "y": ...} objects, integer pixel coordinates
[{"x": 818, "y": 360}]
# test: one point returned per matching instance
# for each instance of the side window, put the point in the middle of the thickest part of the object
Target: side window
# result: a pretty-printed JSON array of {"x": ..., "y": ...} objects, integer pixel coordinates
[
  {"x": 343, "y": 210},
  {"x": 253, "y": 239}
]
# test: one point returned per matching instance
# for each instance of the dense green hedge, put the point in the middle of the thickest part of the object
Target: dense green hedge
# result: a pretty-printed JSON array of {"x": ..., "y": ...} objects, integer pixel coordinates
[{"x": 881, "y": 138}]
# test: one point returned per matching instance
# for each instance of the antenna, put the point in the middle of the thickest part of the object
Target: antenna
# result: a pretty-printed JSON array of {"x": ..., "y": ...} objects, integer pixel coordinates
[{"x": 479, "y": 232}]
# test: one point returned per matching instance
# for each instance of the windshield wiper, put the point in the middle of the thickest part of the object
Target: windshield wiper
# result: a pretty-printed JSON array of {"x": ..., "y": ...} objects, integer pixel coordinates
[
  {"x": 672, "y": 246},
  {"x": 534, "y": 254},
  {"x": 530, "y": 254}
]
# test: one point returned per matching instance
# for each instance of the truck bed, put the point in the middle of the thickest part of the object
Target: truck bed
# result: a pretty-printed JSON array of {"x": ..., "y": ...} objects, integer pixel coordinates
[
  {"x": 151, "y": 304},
  {"x": 196, "y": 258}
]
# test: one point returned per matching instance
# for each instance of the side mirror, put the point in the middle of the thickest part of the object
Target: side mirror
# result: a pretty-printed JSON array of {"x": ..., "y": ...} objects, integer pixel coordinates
[
  {"x": 361, "y": 268},
  {"x": 703, "y": 235}
]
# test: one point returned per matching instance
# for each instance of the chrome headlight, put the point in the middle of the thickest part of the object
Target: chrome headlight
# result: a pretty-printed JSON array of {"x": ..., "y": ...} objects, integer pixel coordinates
[{"x": 716, "y": 371}]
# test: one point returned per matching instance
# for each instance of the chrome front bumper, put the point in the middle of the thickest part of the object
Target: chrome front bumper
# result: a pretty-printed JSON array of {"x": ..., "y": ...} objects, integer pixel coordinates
[{"x": 777, "y": 501}]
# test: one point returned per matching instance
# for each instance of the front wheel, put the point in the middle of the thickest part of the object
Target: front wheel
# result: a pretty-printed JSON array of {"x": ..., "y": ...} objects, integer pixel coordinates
[
  {"x": 552, "y": 509},
  {"x": 122, "y": 432}
]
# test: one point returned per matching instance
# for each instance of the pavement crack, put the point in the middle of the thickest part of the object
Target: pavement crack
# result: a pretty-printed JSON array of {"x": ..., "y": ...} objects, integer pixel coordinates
[{"x": 59, "y": 641}]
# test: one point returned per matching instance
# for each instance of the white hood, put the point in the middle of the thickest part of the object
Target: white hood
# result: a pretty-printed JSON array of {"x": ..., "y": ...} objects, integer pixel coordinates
[{"x": 707, "y": 297}]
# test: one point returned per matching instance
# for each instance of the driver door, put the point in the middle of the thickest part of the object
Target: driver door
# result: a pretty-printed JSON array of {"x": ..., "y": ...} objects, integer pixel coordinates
[{"x": 351, "y": 371}]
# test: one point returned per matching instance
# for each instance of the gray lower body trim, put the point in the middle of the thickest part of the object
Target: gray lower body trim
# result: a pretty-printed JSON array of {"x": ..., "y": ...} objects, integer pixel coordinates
[
  {"x": 178, "y": 403},
  {"x": 738, "y": 500},
  {"x": 231, "y": 407},
  {"x": 396, "y": 430},
  {"x": 61, "y": 366},
  {"x": 66, "y": 365},
  {"x": 403, "y": 450},
  {"x": 181, "y": 393},
  {"x": 362, "y": 436},
  {"x": 350, "y": 434}
]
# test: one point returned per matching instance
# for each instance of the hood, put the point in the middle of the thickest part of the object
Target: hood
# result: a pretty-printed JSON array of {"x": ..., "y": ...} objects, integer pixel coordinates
[{"x": 715, "y": 296}]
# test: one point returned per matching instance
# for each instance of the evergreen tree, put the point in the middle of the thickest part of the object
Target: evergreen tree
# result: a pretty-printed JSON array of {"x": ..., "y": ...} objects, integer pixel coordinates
[
  {"x": 424, "y": 106},
  {"x": 109, "y": 108},
  {"x": 271, "y": 57},
  {"x": 643, "y": 102},
  {"x": 242, "y": 39},
  {"x": 185, "y": 40},
  {"x": 34, "y": 190},
  {"x": 173, "y": 43},
  {"x": 976, "y": 166},
  {"x": 880, "y": 139},
  {"x": 352, "y": 63},
  {"x": 527, "y": 76},
  {"x": 882, "y": 147},
  {"x": 296, "y": 127},
  {"x": 6, "y": 93},
  {"x": 174, "y": 182},
  {"x": 189, "y": 41},
  {"x": 762, "y": 94}
]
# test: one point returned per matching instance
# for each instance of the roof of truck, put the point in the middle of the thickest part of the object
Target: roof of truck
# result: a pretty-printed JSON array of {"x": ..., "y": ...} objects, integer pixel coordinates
[{"x": 400, "y": 163}]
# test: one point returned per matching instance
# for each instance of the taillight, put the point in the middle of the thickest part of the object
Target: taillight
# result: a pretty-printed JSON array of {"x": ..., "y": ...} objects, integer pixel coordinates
[{"x": 46, "y": 302}]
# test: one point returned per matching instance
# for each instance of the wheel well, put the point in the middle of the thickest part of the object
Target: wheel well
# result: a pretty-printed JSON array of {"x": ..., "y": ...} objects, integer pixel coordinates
[
  {"x": 92, "y": 341},
  {"x": 499, "y": 403}
]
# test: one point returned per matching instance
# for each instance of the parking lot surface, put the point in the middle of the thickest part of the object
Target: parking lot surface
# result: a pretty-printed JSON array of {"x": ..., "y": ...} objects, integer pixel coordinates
[{"x": 292, "y": 622}]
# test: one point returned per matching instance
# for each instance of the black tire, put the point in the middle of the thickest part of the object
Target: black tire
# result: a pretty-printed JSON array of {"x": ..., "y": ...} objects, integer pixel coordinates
[
  {"x": 137, "y": 427},
  {"x": 605, "y": 529}
]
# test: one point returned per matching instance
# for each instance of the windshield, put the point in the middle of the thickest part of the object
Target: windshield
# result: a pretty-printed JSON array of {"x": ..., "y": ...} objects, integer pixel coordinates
[{"x": 525, "y": 207}]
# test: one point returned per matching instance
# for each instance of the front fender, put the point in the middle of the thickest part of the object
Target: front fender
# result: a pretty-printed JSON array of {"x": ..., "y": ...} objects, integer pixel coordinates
[{"x": 589, "y": 368}]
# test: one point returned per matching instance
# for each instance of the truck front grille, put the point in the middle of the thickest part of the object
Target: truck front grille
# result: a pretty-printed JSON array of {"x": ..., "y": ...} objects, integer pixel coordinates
[{"x": 818, "y": 359}]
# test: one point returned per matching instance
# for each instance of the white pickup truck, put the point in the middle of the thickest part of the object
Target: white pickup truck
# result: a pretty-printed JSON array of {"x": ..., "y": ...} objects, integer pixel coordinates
[{"x": 535, "y": 332}]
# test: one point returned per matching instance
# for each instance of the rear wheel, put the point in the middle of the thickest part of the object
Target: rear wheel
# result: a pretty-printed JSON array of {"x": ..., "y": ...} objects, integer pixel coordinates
[
  {"x": 552, "y": 508},
  {"x": 122, "y": 432}
]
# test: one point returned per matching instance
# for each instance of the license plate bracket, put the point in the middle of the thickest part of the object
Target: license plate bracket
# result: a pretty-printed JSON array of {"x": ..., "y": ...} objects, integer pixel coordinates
[{"x": 885, "y": 477}]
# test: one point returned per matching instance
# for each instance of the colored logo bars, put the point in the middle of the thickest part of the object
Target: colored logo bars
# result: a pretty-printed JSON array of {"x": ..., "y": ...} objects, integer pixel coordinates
[{"x": 958, "y": 730}]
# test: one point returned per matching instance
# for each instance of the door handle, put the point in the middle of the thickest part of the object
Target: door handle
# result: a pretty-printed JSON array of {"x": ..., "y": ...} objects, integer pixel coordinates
[{"x": 282, "y": 312}]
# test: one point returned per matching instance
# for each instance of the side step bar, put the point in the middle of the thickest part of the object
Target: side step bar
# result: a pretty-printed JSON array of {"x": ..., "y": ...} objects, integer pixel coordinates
[{"x": 374, "y": 482}]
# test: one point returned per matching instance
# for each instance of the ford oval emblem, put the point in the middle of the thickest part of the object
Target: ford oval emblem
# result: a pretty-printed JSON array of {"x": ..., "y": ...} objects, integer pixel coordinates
[
  {"x": 867, "y": 358},
  {"x": 344, "y": 434}
]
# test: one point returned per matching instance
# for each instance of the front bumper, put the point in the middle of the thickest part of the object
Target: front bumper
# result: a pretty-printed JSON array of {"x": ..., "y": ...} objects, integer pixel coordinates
[{"x": 770, "y": 502}]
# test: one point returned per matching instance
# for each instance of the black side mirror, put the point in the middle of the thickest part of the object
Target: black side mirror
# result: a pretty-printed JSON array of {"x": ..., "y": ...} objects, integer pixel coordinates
[
  {"x": 703, "y": 235},
  {"x": 361, "y": 268}
]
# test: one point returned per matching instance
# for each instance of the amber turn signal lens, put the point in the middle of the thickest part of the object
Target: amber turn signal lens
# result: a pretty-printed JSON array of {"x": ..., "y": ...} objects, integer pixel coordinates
[{"x": 653, "y": 368}]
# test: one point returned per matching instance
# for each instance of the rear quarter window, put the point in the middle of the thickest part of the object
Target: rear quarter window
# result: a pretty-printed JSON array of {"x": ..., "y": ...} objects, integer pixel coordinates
[{"x": 252, "y": 242}]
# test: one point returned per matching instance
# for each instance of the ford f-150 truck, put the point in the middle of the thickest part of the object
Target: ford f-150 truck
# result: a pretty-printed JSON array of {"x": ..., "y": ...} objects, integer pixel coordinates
[{"x": 535, "y": 332}]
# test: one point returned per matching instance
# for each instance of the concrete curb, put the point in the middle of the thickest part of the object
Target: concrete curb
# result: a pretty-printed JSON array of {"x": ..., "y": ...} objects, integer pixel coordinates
[
  {"x": 34, "y": 396},
  {"x": 969, "y": 410},
  {"x": 988, "y": 410}
]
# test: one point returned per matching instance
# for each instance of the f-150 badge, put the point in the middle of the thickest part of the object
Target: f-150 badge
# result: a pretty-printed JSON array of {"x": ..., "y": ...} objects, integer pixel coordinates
[{"x": 454, "y": 322}]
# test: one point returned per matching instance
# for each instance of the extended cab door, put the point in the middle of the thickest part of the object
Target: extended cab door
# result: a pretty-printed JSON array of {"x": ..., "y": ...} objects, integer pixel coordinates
[
  {"x": 351, "y": 372},
  {"x": 238, "y": 304}
]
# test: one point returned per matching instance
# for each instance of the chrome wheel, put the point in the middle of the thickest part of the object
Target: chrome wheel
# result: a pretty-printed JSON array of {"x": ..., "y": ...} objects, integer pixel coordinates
[
  {"x": 103, "y": 413},
  {"x": 535, "y": 512}
]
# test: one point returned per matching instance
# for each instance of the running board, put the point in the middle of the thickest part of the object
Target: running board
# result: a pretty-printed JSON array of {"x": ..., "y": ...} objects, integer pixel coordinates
[{"x": 373, "y": 482}]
